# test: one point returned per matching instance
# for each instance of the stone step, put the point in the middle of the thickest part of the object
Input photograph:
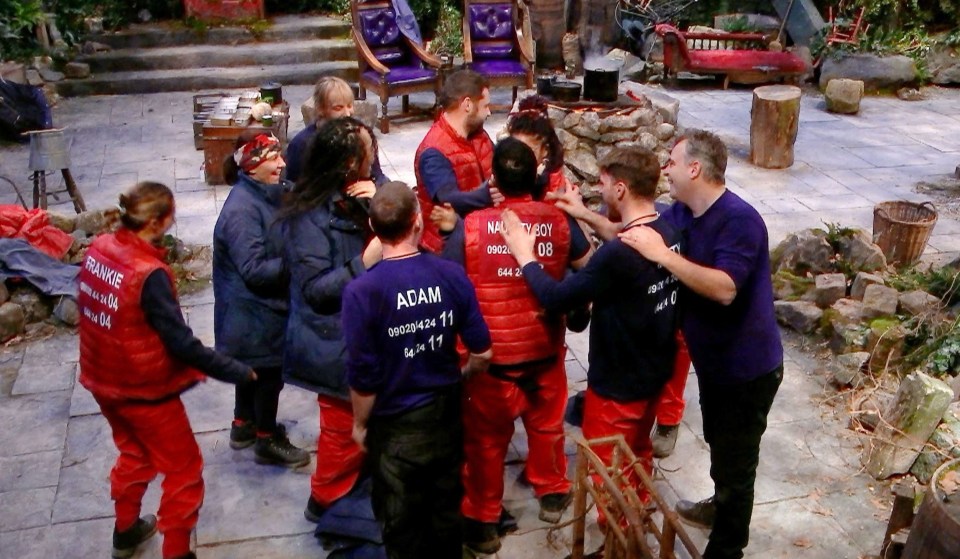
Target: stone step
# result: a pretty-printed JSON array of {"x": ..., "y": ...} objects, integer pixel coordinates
[
  {"x": 173, "y": 34},
  {"x": 193, "y": 79},
  {"x": 206, "y": 56}
]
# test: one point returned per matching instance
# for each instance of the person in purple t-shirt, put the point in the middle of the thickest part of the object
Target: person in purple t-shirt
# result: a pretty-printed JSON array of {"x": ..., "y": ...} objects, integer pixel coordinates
[
  {"x": 730, "y": 328},
  {"x": 401, "y": 321}
]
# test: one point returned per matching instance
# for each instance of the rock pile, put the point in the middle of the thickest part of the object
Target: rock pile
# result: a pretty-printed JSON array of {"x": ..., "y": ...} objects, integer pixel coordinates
[
  {"x": 835, "y": 284},
  {"x": 25, "y": 311},
  {"x": 588, "y": 135}
]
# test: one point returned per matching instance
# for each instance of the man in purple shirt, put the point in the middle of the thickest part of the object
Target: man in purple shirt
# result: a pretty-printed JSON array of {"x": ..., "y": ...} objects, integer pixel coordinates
[
  {"x": 401, "y": 321},
  {"x": 729, "y": 325}
]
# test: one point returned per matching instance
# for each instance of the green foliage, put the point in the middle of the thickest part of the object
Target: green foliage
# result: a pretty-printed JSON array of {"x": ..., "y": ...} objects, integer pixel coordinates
[
  {"x": 945, "y": 359},
  {"x": 835, "y": 233},
  {"x": 115, "y": 13},
  {"x": 935, "y": 344},
  {"x": 18, "y": 18},
  {"x": 702, "y": 11},
  {"x": 899, "y": 27},
  {"x": 941, "y": 282},
  {"x": 739, "y": 25},
  {"x": 339, "y": 7},
  {"x": 448, "y": 38}
]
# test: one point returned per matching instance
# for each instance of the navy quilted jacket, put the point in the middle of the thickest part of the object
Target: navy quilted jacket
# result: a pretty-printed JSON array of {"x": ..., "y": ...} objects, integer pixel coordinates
[{"x": 249, "y": 278}]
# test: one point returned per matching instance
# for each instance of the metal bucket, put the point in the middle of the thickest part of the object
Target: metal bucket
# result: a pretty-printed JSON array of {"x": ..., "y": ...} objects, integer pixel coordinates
[{"x": 49, "y": 150}]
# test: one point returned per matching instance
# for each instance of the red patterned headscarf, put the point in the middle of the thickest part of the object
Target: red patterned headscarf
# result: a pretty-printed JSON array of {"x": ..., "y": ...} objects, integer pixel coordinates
[{"x": 261, "y": 148}]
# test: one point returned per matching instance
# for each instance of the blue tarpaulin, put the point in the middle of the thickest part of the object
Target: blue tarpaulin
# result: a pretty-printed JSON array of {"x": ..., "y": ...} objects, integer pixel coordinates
[{"x": 19, "y": 259}]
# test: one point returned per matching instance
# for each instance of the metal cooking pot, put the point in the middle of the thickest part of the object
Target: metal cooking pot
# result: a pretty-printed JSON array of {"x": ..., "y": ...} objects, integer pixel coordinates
[
  {"x": 271, "y": 92},
  {"x": 545, "y": 84},
  {"x": 601, "y": 85},
  {"x": 566, "y": 91}
]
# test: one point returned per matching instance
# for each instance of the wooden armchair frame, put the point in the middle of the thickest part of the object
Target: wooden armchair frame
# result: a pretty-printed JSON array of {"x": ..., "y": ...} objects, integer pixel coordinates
[{"x": 384, "y": 89}]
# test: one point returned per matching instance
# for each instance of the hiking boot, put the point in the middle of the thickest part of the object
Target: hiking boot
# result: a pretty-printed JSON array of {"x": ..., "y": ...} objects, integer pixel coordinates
[
  {"x": 481, "y": 537},
  {"x": 699, "y": 514},
  {"x": 314, "y": 510},
  {"x": 552, "y": 506},
  {"x": 665, "y": 440},
  {"x": 242, "y": 434},
  {"x": 507, "y": 523},
  {"x": 126, "y": 543},
  {"x": 276, "y": 449}
]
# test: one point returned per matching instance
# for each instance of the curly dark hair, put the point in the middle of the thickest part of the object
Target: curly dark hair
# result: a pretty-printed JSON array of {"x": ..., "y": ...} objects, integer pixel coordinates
[
  {"x": 532, "y": 119},
  {"x": 331, "y": 162}
]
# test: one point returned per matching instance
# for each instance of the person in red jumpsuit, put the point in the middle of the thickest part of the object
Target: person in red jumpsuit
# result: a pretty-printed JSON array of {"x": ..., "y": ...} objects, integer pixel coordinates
[
  {"x": 526, "y": 378},
  {"x": 137, "y": 355}
]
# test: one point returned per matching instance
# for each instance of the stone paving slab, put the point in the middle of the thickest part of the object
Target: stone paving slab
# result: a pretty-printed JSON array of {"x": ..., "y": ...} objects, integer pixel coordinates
[
  {"x": 26, "y": 508},
  {"x": 39, "y": 378},
  {"x": 812, "y": 500},
  {"x": 30, "y": 471},
  {"x": 33, "y": 423}
]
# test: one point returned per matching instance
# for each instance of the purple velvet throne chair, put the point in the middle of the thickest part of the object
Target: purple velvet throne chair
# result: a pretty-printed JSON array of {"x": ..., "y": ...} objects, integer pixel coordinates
[
  {"x": 492, "y": 46},
  {"x": 390, "y": 63}
]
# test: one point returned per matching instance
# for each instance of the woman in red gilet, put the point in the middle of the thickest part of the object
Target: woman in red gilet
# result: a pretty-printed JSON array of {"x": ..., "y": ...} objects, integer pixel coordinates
[{"x": 137, "y": 355}]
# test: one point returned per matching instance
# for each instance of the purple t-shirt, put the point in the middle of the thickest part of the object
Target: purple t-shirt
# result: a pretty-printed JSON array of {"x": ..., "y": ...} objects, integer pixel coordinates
[
  {"x": 401, "y": 321},
  {"x": 738, "y": 342}
]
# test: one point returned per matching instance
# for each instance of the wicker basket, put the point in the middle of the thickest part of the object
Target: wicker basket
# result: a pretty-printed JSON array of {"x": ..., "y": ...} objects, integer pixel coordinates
[{"x": 902, "y": 229}]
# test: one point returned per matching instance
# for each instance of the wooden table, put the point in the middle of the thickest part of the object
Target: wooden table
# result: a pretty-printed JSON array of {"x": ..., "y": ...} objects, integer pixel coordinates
[{"x": 219, "y": 141}]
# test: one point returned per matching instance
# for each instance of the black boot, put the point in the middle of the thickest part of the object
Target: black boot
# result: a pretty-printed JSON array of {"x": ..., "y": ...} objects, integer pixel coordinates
[
  {"x": 553, "y": 505},
  {"x": 276, "y": 449},
  {"x": 125, "y": 543},
  {"x": 314, "y": 510},
  {"x": 481, "y": 537},
  {"x": 242, "y": 435},
  {"x": 699, "y": 514}
]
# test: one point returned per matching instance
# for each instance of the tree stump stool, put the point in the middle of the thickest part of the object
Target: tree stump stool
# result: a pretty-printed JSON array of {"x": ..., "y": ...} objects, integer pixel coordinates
[{"x": 774, "y": 121}]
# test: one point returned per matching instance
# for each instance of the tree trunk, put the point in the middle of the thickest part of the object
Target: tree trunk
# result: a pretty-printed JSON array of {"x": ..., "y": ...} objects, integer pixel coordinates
[
  {"x": 548, "y": 20},
  {"x": 774, "y": 121},
  {"x": 597, "y": 26}
]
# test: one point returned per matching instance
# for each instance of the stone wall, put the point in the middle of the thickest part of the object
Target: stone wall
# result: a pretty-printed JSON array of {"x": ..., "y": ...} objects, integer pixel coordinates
[{"x": 588, "y": 135}]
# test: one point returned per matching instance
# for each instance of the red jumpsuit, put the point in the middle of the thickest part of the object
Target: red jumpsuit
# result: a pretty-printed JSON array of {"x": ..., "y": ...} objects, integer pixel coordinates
[
  {"x": 670, "y": 405},
  {"x": 138, "y": 384},
  {"x": 527, "y": 377}
]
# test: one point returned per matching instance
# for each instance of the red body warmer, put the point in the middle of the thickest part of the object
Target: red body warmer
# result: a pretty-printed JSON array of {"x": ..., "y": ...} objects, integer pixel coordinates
[
  {"x": 472, "y": 161},
  {"x": 121, "y": 356},
  {"x": 521, "y": 330}
]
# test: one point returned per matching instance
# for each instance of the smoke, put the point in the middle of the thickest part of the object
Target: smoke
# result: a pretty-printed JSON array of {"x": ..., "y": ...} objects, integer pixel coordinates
[{"x": 595, "y": 55}]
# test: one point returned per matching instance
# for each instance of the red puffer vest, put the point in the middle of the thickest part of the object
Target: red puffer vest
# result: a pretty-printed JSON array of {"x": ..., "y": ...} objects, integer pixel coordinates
[
  {"x": 121, "y": 355},
  {"x": 521, "y": 330},
  {"x": 472, "y": 161}
]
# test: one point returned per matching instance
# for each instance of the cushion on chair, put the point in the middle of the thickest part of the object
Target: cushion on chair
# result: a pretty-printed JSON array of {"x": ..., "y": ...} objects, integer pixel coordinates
[
  {"x": 389, "y": 55},
  {"x": 379, "y": 27},
  {"x": 493, "y": 49},
  {"x": 495, "y": 68},
  {"x": 491, "y": 21},
  {"x": 404, "y": 75}
]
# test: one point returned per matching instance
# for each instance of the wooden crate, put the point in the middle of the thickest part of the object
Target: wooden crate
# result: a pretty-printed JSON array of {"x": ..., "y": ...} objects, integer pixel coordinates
[{"x": 218, "y": 141}]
